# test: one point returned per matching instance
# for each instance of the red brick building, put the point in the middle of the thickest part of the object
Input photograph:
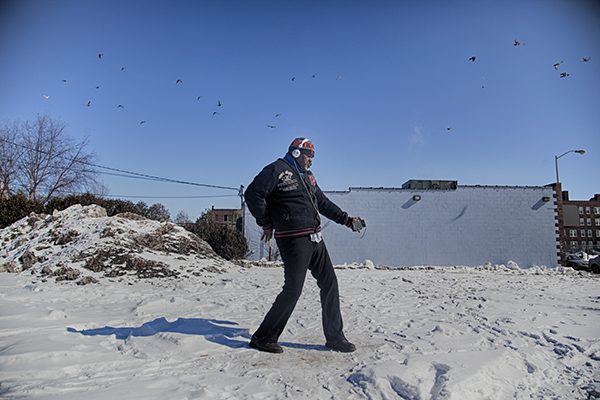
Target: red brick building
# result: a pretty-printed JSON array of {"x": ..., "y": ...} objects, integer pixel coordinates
[
  {"x": 581, "y": 224},
  {"x": 577, "y": 224},
  {"x": 226, "y": 215}
]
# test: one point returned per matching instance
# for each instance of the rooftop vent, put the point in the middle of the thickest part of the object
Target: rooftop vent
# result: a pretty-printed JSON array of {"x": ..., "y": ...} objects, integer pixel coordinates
[{"x": 434, "y": 185}]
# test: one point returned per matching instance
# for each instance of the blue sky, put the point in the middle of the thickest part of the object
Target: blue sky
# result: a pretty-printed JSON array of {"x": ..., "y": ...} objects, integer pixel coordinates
[{"x": 390, "y": 78}]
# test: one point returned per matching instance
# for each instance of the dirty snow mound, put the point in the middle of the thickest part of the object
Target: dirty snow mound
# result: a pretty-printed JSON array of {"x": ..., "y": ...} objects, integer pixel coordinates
[{"x": 82, "y": 241}]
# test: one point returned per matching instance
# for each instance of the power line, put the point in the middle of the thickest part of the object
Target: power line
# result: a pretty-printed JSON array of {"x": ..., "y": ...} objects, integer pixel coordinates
[
  {"x": 157, "y": 178},
  {"x": 129, "y": 176},
  {"x": 135, "y": 174},
  {"x": 163, "y": 197}
]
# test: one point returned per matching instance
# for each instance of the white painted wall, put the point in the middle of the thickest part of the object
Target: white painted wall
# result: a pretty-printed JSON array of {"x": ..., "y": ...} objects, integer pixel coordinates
[{"x": 470, "y": 226}]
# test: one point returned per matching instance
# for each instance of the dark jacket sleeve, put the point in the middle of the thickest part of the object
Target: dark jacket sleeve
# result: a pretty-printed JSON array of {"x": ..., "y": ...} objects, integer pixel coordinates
[
  {"x": 329, "y": 208},
  {"x": 263, "y": 184}
]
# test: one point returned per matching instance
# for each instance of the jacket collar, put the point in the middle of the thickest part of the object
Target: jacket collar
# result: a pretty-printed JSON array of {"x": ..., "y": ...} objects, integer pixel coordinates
[{"x": 288, "y": 157}]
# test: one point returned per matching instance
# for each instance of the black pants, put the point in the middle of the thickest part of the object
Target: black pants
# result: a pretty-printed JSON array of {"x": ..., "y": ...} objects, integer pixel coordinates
[{"x": 299, "y": 254}]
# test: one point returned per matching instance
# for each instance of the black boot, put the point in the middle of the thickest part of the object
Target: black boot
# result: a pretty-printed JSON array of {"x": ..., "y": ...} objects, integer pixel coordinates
[
  {"x": 341, "y": 345},
  {"x": 268, "y": 347}
]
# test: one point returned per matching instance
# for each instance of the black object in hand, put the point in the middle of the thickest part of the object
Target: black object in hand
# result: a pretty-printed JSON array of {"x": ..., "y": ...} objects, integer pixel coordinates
[{"x": 358, "y": 224}]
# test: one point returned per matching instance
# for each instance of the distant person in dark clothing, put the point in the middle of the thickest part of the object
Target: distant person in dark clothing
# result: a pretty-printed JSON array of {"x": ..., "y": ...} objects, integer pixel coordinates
[{"x": 285, "y": 199}]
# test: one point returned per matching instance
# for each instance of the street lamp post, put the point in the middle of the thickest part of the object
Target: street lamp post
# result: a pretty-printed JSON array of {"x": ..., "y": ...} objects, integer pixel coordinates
[
  {"x": 561, "y": 239},
  {"x": 557, "y": 157}
]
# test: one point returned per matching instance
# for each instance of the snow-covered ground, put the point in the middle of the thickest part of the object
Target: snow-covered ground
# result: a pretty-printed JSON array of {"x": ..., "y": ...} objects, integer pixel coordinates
[{"x": 168, "y": 319}]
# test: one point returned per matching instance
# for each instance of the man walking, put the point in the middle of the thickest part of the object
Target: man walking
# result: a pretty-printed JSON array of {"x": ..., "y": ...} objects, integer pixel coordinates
[{"x": 285, "y": 198}]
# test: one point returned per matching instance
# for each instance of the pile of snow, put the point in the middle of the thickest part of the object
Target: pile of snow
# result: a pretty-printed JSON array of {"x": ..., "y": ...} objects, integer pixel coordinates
[
  {"x": 82, "y": 243},
  {"x": 426, "y": 332}
]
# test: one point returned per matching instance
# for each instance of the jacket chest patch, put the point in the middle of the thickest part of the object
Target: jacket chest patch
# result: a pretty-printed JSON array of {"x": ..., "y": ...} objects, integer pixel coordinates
[
  {"x": 287, "y": 181},
  {"x": 312, "y": 179}
]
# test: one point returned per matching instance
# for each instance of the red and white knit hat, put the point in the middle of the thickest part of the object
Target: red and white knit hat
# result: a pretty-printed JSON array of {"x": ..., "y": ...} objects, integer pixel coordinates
[{"x": 302, "y": 146}]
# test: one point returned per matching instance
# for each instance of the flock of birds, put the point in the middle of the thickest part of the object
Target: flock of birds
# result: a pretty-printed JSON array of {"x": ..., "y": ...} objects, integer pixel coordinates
[
  {"x": 565, "y": 74},
  {"x": 517, "y": 43},
  {"x": 89, "y": 103},
  {"x": 219, "y": 104},
  {"x": 562, "y": 74}
]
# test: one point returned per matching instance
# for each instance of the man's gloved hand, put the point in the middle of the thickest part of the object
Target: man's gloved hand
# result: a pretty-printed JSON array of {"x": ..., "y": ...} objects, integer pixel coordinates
[
  {"x": 267, "y": 234},
  {"x": 350, "y": 223}
]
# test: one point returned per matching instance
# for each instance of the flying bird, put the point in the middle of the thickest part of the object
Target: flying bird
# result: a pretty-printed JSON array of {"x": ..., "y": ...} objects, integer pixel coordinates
[
  {"x": 270, "y": 126},
  {"x": 472, "y": 58},
  {"x": 88, "y": 103},
  {"x": 276, "y": 115},
  {"x": 314, "y": 75},
  {"x": 178, "y": 81},
  {"x": 586, "y": 59},
  {"x": 448, "y": 128},
  {"x": 64, "y": 80},
  {"x": 215, "y": 113},
  {"x": 100, "y": 55},
  {"x": 120, "y": 106},
  {"x": 143, "y": 122},
  {"x": 339, "y": 77},
  {"x": 122, "y": 68},
  {"x": 517, "y": 43},
  {"x": 293, "y": 78},
  {"x": 219, "y": 103},
  {"x": 199, "y": 97},
  {"x": 564, "y": 75},
  {"x": 557, "y": 64},
  {"x": 45, "y": 96},
  {"x": 97, "y": 87}
]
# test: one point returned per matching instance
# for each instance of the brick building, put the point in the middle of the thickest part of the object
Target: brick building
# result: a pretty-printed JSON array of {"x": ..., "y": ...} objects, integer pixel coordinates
[
  {"x": 581, "y": 224},
  {"x": 227, "y": 216}
]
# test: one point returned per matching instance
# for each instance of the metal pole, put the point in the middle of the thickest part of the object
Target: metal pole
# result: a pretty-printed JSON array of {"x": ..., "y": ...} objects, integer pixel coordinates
[
  {"x": 270, "y": 249},
  {"x": 557, "y": 157},
  {"x": 241, "y": 194},
  {"x": 562, "y": 244}
]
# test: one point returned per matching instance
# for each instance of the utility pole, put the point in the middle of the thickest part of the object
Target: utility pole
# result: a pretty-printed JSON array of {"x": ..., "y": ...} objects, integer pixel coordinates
[{"x": 241, "y": 194}]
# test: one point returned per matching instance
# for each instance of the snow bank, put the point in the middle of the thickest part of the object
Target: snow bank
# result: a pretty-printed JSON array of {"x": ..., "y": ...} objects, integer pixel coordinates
[{"x": 83, "y": 241}]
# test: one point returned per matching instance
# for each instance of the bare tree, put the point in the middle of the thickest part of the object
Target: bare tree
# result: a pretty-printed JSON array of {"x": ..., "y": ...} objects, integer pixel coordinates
[
  {"x": 9, "y": 157},
  {"x": 182, "y": 218},
  {"x": 99, "y": 188},
  {"x": 51, "y": 161}
]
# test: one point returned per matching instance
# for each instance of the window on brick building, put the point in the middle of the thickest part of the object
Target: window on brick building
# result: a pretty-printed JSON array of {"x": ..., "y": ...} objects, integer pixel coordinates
[
  {"x": 573, "y": 244},
  {"x": 589, "y": 222},
  {"x": 597, "y": 210},
  {"x": 573, "y": 233},
  {"x": 580, "y": 210},
  {"x": 583, "y": 233},
  {"x": 590, "y": 233},
  {"x": 591, "y": 245},
  {"x": 216, "y": 217},
  {"x": 587, "y": 210},
  {"x": 598, "y": 234},
  {"x": 597, "y": 222},
  {"x": 581, "y": 221},
  {"x": 226, "y": 218}
]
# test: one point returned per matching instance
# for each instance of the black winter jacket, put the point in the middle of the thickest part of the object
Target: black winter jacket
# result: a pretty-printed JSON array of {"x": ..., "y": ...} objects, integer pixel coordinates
[{"x": 278, "y": 198}]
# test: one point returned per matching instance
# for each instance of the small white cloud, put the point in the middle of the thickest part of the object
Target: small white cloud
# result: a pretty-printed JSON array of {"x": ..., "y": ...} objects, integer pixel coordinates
[{"x": 418, "y": 138}]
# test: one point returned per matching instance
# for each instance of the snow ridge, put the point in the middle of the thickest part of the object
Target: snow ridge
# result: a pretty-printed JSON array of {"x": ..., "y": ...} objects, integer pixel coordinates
[{"x": 83, "y": 240}]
